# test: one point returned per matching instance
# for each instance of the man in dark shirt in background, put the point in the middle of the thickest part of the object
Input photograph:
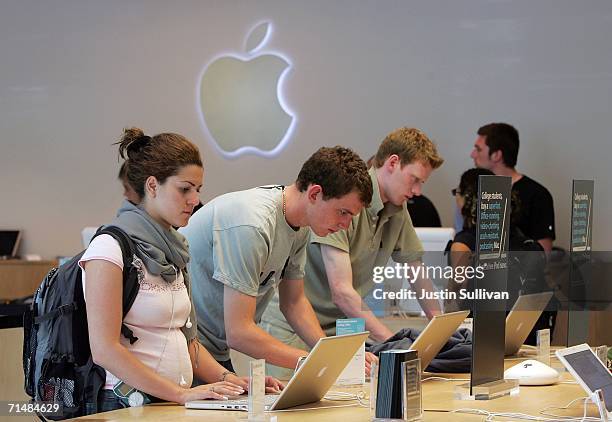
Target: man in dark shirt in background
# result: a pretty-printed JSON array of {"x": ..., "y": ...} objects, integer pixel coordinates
[{"x": 496, "y": 149}]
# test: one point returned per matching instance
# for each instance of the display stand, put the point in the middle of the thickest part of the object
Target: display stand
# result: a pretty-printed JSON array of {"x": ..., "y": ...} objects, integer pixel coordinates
[
  {"x": 487, "y": 391},
  {"x": 257, "y": 390},
  {"x": 543, "y": 350},
  {"x": 488, "y": 336}
]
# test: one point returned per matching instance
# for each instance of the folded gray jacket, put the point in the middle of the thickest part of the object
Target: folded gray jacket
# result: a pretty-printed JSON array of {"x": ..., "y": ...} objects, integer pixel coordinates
[{"x": 454, "y": 357}]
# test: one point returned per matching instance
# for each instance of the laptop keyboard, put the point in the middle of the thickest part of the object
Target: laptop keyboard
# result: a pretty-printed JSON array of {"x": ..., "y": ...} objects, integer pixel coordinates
[{"x": 269, "y": 400}]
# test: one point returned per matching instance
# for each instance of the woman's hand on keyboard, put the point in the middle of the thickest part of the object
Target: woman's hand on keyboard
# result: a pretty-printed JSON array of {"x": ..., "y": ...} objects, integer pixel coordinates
[{"x": 218, "y": 391}]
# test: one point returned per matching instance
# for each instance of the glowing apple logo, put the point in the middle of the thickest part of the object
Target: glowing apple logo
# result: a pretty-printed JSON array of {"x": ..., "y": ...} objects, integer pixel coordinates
[{"x": 241, "y": 101}]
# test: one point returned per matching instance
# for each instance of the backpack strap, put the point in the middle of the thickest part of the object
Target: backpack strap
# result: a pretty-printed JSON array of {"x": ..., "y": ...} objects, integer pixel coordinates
[
  {"x": 62, "y": 310},
  {"x": 130, "y": 273}
]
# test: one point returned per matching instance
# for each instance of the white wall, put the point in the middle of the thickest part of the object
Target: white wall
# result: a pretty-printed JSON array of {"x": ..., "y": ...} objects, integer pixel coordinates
[{"x": 74, "y": 73}]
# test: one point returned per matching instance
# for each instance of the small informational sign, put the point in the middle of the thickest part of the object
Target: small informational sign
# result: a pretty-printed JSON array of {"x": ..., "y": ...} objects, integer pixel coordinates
[
  {"x": 580, "y": 276},
  {"x": 412, "y": 397},
  {"x": 490, "y": 291},
  {"x": 354, "y": 373},
  {"x": 582, "y": 215},
  {"x": 257, "y": 390},
  {"x": 543, "y": 342},
  {"x": 493, "y": 221},
  {"x": 602, "y": 354}
]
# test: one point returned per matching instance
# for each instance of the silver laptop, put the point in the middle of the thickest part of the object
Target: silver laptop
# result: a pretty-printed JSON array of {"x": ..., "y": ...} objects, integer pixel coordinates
[
  {"x": 591, "y": 374},
  {"x": 436, "y": 334},
  {"x": 521, "y": 319},
  {"x": 311, "y": 381}
]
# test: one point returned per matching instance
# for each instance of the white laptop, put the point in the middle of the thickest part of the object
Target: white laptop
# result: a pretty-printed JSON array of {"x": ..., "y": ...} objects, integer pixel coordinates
[
  {"x": 590, "y": 373},
  {"x": 436, "y": 334},
  {"x": 311, "y": 381},
  {"x": 435, "y": 238},
  {"x": 522, "y": 318}
]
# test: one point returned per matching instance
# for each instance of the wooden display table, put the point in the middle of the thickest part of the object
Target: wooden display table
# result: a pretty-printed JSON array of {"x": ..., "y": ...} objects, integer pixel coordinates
[
  {"x": 438, "y": 401},
  {"x": 21, "y": 278}
]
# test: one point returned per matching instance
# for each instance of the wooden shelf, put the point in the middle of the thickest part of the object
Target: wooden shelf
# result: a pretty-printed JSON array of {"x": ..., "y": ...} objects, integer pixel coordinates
[{"x": 20, "y": 278}]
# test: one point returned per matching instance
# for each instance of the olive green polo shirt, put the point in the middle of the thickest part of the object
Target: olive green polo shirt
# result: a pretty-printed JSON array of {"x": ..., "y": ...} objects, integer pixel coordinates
[{"x": 377, "y": 233}]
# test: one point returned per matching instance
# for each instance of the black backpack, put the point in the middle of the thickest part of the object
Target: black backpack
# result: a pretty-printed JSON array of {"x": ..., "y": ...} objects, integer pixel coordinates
[{"x": 57, "y": 362}]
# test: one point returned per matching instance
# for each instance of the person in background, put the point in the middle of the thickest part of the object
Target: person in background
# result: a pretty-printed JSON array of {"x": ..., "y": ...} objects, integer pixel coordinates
[
  {"x": 340, "y": 266},
  {"x": 524, "y": 278},
  {"x": 463, "y": 245},
  {"x": 166, "y": 172},
  {"x": 128, "y": 191},
  {"x": 496, "y": 149},
  {"x": 247, "y": 244}
]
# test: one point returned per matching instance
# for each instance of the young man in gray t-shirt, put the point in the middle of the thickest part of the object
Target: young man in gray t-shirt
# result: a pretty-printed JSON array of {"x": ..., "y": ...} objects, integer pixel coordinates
[{"x": 245, "y": 245}]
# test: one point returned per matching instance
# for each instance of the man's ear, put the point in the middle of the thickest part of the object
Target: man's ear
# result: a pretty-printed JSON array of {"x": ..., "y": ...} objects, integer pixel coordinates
[
  {"x": 497, "y": 156},
  {"x": 313, "y": 192},
  {"x": 151, "y": 186},
  {"x": 392, "y": 162}
]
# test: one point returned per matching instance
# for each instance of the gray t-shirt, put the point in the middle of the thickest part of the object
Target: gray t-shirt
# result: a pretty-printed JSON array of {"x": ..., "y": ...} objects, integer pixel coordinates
[{"x": 241, "y": 240}]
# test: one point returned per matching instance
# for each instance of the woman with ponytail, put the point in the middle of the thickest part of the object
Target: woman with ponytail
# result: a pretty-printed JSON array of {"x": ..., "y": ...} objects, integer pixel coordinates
[{"x": 166, "y": 172}]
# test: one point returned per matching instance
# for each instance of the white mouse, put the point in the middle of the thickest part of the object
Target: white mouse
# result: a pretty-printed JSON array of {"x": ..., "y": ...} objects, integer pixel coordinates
[{"x": 532, "y": 372}]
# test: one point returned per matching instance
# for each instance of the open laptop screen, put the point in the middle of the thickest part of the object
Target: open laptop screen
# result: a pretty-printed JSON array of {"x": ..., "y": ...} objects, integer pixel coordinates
[
  {"x": 9, "y": 242},
  {"x": 592, "y": 373}
]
